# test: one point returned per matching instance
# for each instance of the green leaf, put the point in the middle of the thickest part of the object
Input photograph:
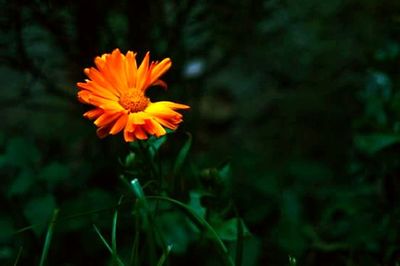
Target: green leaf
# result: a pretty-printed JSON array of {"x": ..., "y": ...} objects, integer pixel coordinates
[
  {"x": 225, "y": 172},
  {"x": 374, "y": 143},
  {"x": 195, "y": 203},
  {"x": 38, "y": 211},
  {"x": 130, "y": 159},
  {"x": 164, "y": 256},
  {"x": 155, "y": 144},
  {"x": 21, "y": 184},
  {"x": 292, "y": 261},
  {"x": 180, "y": 159},
  {"x": 239, "y": 242},
  {"x": 228, "y": 230},
  {"x": 49, "y": 236},
  {"x": 117, "y": 259},
  {"x": 21, "y": 153},
  {"x": 201, "y": 224},
  {"x": 54, "y": 173},
  {"x": 6, "y": 229}
]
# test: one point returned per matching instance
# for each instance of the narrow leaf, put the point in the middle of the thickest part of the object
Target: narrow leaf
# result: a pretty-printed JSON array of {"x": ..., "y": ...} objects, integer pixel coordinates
[
  {"x": 164, "y": 256},
  {"x": 239, "y": 242},
  {"x": 49, "y": 235},
  {"x": 180, "y": 159},
  {"x": 117, "y": 259}
]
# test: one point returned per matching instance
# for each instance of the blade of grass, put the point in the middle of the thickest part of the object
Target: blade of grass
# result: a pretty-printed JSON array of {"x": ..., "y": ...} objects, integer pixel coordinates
[
  {"x": 135, "y": 247},
  {"x": 49, "y": 235},
  {"x": 114, "y": 226},
  {"x": 239, "y": 242},
  {"x": 152, "y": 227},
  {"x": 164, "y": 256},
  {"x": 117, "y": 259},
  {"x": 114, "y": 232},
  {"x": 201, "y": 223},
  {"x": 76, "y": 215},
  {"x": 18, "y": 256}
]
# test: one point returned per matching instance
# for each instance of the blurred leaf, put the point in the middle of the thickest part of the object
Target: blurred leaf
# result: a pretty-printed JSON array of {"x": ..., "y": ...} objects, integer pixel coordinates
[
  {"x": 228, "y": 230},
  {"x": 155, "y": 144},
  {"x": 292, "y": 261},
  {"x": 289, "y": 231},
  {"x": 176, "y": 231},
  {"x": 54, "y": 173},
  {"x": 201, "y": 224},
  {"x": 38, "y": 212},
  {"x": 21, "y": 152},
  {"x": 21, "y": 183},
  {"x": 6, "y": 229},
  {"x": 374, "y": 143},
  {"x": 195, "y": 203},
  {"x": 309, "y": 171},
  {"x": 130, "y": 159},
  {"x": 225, "y": 172},
  {"x": 180, "y": 159}
]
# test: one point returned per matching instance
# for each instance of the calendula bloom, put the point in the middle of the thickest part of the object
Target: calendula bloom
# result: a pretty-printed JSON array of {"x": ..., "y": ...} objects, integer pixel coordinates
[{"x": 117, "y": 89}]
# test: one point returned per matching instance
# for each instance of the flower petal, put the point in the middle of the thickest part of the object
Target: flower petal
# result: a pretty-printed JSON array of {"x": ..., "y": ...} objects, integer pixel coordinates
[
  {"x": 159, "y": 69},
  {"x": 97, "y": 90},
  {"x": 102, "y": 132},
  {"x": 119, "y": 124},
  {"x": 142, "y": 73},
  {"x": 98, "y": 77},
  {"x": 106, "y": 119},
  {"x": 139, "y": 133},
  {"x": 131, "y": 69},
  {"x": 94, "y": 113},
  {"x": 129, "y": 136},
  {"x": 154, "y": 128}
]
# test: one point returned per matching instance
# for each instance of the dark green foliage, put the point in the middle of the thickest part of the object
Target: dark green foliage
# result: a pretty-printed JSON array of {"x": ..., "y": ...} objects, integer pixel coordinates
[{"x": 293, "y": 153}]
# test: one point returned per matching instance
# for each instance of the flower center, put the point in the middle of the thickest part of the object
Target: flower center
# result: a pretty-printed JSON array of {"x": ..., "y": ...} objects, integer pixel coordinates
[{"x": 134, "y": 101}]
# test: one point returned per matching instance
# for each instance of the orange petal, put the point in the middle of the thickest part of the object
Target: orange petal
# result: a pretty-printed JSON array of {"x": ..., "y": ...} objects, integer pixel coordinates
[
  {"x": 113, "y": 72},
  {"x": 98, "y": 77},
  {"x": 119, "y": 124},
  {"x": 160, "y": 83},
  {"x": 139, "y": 118},
  {"x": 130, "y": 126},
  {"x": 159, "y": 69},
  {"x": 166, "y": 123},
  {"x": 154, "y": 128},
  {"x": 100, "y": 62},
  {"x": 129, "y": 136},
  {"x": 160, "y": 109},
  {"x": 174, "y": 105},
  {"x": 106, "y": 119},
  {"x": 84, "y": 96},
  {"x": 98, "y": 90},
  {"x": 102, "y": 132},
  {"x": 142, "y": 73},
  {"x": 94, "y": 113},
  {"x": 131, "y": 69},
  {"x": 139, "y": 133}
]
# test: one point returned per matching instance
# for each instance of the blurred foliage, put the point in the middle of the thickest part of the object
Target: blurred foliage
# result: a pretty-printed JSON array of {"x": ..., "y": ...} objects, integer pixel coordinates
[{"x": 294, "y": 128}]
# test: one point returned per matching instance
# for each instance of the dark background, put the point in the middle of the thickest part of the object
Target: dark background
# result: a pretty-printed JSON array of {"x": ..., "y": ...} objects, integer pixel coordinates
[{"x": 301, "y": 97}]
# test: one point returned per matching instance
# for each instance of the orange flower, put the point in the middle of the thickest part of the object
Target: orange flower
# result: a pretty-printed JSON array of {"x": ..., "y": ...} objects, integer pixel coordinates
[{"x": 117, "y": 89}]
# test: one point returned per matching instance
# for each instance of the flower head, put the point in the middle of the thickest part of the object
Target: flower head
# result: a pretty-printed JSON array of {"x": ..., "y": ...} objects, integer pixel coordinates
[{"x": 117, "y": 89}]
